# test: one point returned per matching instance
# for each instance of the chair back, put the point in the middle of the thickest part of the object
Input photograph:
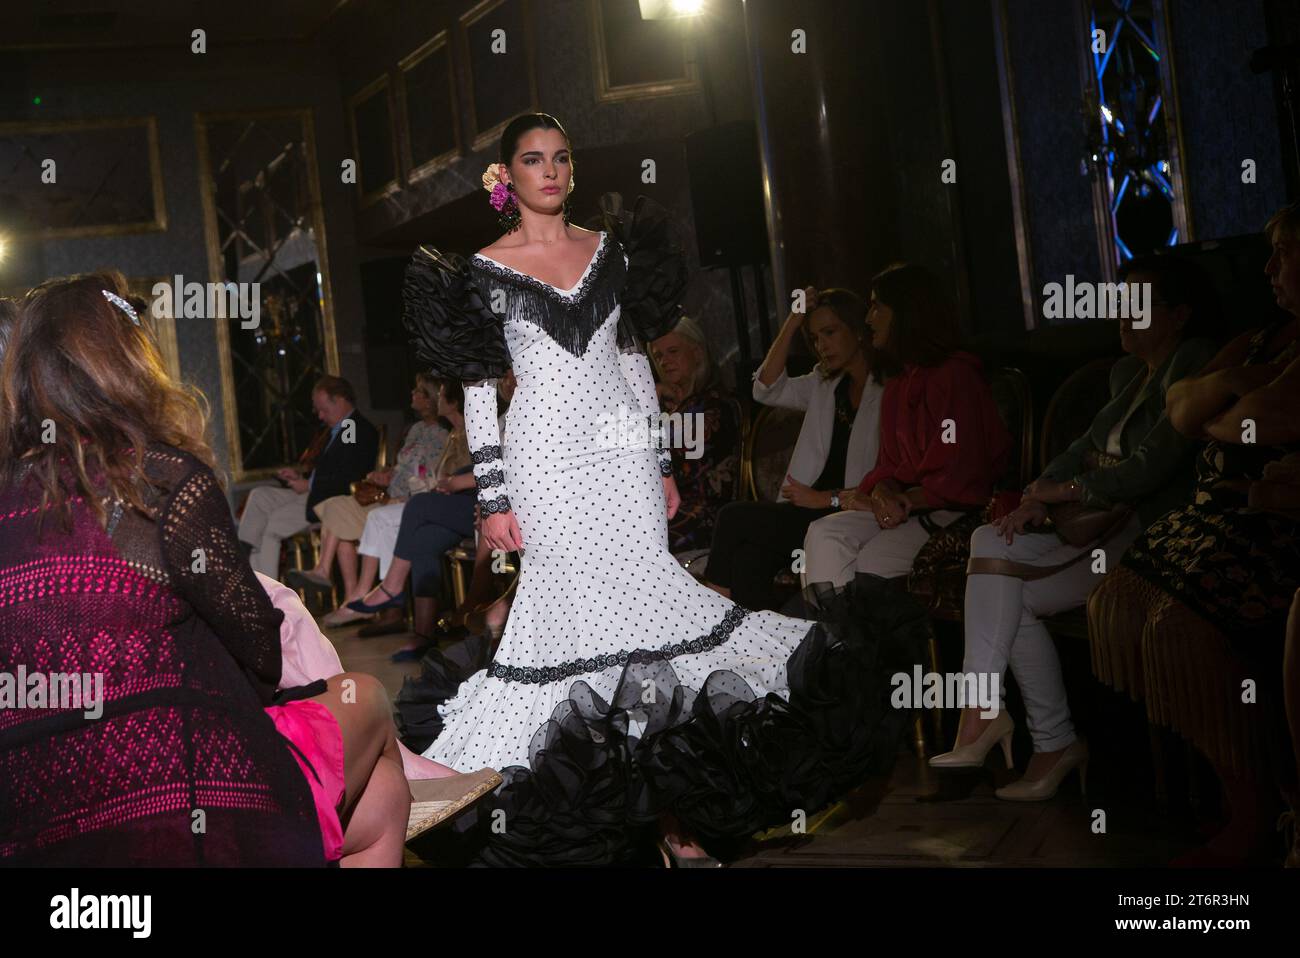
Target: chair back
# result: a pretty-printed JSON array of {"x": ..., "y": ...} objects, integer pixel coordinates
[
  {"x": 1072, "y": 408},
  {"x": 740, "y": 416},
  {"x": 1015, "y": 403},
  {"x": 381, "y": 458},
  {"x": 766, "y": 455}
]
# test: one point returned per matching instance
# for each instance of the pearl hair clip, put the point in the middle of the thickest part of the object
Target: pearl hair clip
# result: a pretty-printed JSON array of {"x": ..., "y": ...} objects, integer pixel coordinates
[{"x": 122, "y": 304}]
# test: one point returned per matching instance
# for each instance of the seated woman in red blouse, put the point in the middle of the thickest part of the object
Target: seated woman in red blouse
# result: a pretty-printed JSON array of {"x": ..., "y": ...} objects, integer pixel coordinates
[
  {"x": 123, "y": 586},
  {"x": 942, "y": 444}
]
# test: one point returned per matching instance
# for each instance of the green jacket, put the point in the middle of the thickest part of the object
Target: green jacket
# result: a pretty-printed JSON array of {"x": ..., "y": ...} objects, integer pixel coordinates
[{"x": 1156, "y": 474}]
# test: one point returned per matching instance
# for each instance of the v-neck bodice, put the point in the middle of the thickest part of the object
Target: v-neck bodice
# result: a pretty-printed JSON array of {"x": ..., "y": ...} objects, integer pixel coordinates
[
  {"x": 591, "y": 263},
  {"x": 570, "y": 317}
]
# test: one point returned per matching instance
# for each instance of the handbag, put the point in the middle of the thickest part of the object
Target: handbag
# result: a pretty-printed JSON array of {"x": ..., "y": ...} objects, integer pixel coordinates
[
  {"x": 1076, "y": 524},
  {"x": 367, "y": 493},
  {"x": 1080, "y": 525}
]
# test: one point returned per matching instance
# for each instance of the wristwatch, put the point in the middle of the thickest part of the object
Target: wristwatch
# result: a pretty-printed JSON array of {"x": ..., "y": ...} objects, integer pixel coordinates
[{"x": 835, "y": 500}]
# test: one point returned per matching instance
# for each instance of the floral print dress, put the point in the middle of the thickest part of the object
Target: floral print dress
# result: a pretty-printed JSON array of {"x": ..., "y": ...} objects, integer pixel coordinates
[{"x": 1238, "y": 568}]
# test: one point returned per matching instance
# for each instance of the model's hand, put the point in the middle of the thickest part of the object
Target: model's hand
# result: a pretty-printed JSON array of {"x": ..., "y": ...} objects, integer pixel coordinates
[
  {"x": 501, "y": 531},
  {"x": 1030, "y": 512},
  {"x": 671, "y": 495}
]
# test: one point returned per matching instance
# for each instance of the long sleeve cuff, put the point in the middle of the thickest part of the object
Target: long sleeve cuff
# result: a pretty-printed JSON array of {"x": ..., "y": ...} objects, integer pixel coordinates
[
  {"x": 636, "y": 370},
  {"x": 484, "y": 437}
]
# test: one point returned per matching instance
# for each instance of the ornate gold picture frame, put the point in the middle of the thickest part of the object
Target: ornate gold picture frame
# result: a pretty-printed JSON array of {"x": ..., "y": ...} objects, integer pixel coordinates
[
  {"x": 420, "y": 167},
  {"x": 96, "y": 191}
]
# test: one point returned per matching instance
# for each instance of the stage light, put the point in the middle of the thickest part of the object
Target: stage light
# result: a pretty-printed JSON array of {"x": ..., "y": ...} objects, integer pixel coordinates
[
  {"x": 670, "y": 9},
  {"x": 4, "y": 248}
]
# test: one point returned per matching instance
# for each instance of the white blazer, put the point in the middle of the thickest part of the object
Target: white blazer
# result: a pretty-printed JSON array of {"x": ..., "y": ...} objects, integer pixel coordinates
[{"x": 817, "y": 396}]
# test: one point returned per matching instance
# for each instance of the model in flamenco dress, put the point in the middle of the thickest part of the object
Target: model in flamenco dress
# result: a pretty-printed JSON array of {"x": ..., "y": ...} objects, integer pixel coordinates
[{"x": 625, "y": 700}]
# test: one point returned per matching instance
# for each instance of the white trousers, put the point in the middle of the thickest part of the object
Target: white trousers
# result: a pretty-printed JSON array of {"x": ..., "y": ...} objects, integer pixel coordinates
[
  {"x": 271, "y": 515},
  {"x": 837, "y": 546},
  {"x": 379, "y": 537},
  {"x": 1004, "y": 620}
]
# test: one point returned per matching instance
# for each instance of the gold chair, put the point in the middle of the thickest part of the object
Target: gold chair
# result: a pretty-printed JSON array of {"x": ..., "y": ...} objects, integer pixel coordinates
[{"x": 765, "y": 457}]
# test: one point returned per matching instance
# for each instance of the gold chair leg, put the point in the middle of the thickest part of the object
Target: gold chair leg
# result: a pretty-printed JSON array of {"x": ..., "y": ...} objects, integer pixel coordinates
[
  {"x": 918, "y": 735},
  {"x": 458, "y": 586},
  {"x": 936, "y": 715}
]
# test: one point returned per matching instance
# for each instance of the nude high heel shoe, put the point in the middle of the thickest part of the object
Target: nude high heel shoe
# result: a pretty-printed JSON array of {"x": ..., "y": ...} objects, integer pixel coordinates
[
  {"x": 1075, "y": 756},
  {"x": 998, "y": 732}
]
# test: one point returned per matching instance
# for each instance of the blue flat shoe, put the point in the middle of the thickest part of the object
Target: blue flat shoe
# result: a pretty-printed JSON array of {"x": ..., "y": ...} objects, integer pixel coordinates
[{"x": 393, "y": 602}]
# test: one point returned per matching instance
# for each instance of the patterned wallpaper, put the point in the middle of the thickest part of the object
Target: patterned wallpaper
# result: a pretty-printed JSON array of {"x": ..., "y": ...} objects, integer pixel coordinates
[
  {"x": 1228, "y": 115},
  {"x": 107, "y": 84},
  {"x": 1044, "y": 60}
]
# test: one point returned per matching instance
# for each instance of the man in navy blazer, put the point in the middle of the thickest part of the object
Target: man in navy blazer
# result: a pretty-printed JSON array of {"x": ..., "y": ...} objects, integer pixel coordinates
[{"x": 273, "y": 514}]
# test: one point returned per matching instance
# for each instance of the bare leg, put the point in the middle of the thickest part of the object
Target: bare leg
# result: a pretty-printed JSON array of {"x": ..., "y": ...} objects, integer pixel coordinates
[
  {"x": 347, "y": 550},
  {"x": 376, "y": 829},
  {"x": 722, "y": 590},
  {"x": 393, "y": 583},
  {"x": 398, "y": 571},
  {"x": 366, "y": 580},
  {"x": 329, "y": 544},
  {"x": 376, "y": 800},
  {"x": 494, "y": 617},
  {"x": 971, "y": 726}
]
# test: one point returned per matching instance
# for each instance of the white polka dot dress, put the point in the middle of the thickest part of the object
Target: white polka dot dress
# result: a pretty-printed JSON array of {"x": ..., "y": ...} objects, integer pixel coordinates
[{"x": 597, "y": 582}]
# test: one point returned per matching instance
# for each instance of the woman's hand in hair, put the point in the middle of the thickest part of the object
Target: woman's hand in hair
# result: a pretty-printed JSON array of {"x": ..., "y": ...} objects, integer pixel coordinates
[{"x": 810, "y": 301}]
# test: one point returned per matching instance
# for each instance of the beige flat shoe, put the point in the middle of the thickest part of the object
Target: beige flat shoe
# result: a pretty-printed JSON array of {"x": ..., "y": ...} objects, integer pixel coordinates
[
  {"x": 438, "y": 800},
  {"x": 344, "y": 616}
]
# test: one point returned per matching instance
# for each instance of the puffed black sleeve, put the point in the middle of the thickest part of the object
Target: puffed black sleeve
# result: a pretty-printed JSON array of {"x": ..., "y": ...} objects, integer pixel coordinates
[
  {"x": 656, "y": 269},
  {"x": 453, "y": 331}
]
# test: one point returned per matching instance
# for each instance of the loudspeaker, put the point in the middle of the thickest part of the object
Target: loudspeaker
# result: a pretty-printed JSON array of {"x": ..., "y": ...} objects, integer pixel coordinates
[{"x": 727, "y": 195}]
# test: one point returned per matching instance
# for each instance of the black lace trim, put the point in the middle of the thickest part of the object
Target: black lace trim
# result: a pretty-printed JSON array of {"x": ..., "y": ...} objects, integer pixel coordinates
[
  {"x": 489, "y": 506},
  {"x": 542, "y": 675},
  {"x": 665, "y": 467},
  {"x": 570, "y": 320},
  {"x": 485, "y": 454},
  {"x": 490, "y": 479}
]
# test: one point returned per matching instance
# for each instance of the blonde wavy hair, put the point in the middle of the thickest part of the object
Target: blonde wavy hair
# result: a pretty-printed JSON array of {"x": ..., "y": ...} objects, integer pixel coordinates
[{"x": 78, "y": 363}]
